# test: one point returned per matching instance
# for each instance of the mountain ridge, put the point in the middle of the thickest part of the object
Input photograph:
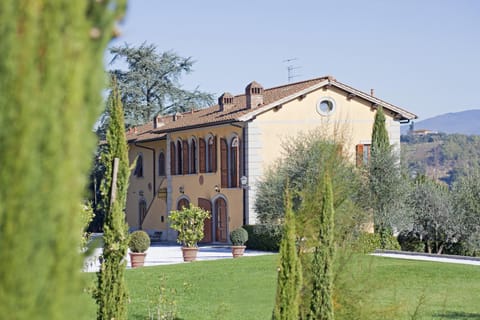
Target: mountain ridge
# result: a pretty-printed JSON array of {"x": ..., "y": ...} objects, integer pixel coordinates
[{"x": 462, "y": 122}]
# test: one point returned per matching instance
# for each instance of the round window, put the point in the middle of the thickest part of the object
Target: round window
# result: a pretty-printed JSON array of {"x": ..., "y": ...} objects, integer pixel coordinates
[{"x": 325, "y": 106}]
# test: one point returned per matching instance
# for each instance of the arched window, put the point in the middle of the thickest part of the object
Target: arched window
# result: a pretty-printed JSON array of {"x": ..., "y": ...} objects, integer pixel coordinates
[
  {"x": 234, "y": 167},
  {"x": 142, "y": 212},
  {"x": 172, "y": 159},
  {"x": 182, "y": 203},
  {"x": 161, "y": 164},
  {"x": 223, "y": 163},
  {"x": 202, "y": 155},
  {"x": 179, "y": 157},
  {"x": 193, "y": 156},
  {"x": 212, "y": 154},
  {"x": 139, "y": 166}
]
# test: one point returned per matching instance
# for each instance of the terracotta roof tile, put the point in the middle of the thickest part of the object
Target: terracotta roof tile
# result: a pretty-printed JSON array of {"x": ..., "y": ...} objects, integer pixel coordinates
[{"x": 214, "y": 115}]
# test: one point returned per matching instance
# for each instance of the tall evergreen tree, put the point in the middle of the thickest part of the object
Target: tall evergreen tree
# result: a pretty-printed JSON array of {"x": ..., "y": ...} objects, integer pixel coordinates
[
  {"x": 51, "y": 77},
  {"x": 289, "y": 279},
  {"x": 321, "y": 303},
  {"x": 151, "y": 85},
  {"x": 111, "y": 293},
  {"x": 384, "y": 178}
]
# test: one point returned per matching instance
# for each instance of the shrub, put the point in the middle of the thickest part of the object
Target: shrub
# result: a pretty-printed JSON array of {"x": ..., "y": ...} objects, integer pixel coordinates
[
  {"x": 368, "y": 242},
  {"x": 239, "y": 236},
  {"x": 264, "y": 237},
  {"x": 189, "y": 224},
  {"x": 410, "y": 241},
  {"x": 139, "y": 241}
]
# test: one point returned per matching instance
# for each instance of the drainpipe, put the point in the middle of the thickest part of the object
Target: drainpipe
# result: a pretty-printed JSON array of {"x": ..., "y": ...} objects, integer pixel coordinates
[{"x": 154, "y": 167}]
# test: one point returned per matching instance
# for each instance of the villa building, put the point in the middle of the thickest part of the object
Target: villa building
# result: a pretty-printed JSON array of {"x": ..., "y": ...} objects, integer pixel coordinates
[{"x": 214, "y": 157}]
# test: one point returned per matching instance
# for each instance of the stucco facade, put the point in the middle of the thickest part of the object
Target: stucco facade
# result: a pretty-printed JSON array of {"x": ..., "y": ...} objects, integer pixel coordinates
[{"x": 215, "y": 156}]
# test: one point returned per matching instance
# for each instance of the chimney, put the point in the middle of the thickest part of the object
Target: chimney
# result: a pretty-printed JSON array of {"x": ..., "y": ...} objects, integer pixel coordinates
[
  {"x": 177, "y": 116},
  {"x": 225, "y": 101},
  {"x": 254, "y": 95},
  {"x": 158, "y": 122},
  {"x": 372, "y": 92}
]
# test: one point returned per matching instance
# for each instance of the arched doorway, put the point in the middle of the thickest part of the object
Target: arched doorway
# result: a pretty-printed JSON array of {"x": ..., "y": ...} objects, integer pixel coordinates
[
  {"x": 221, "y": 221},
  {"x": 205, "y": 204}
]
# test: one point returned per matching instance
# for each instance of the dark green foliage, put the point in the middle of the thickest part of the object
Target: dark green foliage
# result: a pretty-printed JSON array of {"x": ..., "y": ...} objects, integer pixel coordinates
[
  {"x": 289, "y": 279},
  {"x": 239, "y": 236},
  {"x": 409, "y": 240},
  {"x": 264, "y": 237},
  {"x": 139, "y": 241},
  {"x": 151, "y": 83},
  {"x": 111, "y": 295},
  {"x": 51, "y": 76},
  {"x": 321, "y": 302}
]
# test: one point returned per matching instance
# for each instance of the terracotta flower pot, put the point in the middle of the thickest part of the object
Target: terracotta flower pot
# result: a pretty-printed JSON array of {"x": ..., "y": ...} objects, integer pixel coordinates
[
  {"x": 189, "y": 254},
  {"x": 137, "y": 259},
  {"x": 238, "y": 251}
]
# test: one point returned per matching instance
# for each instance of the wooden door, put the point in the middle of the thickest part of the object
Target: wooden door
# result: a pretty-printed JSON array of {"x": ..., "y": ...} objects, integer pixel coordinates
[
  {"x": 207, "y": 224},
  {"x": 221, "y": 220}
]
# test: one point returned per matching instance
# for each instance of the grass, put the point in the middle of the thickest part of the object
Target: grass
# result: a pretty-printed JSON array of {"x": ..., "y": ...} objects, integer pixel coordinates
[{"x": 244, "y": 288}]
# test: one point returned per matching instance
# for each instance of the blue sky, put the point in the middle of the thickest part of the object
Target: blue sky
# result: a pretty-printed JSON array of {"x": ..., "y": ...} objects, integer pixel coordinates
[{"x": 423, "y": 55}]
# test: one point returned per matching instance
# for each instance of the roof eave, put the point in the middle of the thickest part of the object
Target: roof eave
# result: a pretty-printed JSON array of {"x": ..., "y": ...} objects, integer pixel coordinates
[{"x": 402, "y": 113}]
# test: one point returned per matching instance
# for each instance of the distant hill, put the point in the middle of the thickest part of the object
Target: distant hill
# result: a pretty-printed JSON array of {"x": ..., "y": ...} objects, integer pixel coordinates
[{"x": 464, "y": 122}]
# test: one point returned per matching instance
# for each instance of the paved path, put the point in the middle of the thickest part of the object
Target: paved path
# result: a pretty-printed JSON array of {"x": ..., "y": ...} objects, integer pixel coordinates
[
  {"x": 421, "y": 257},
  {"x": 172, "y": 254},
  {"x": 163, "y": 254}
]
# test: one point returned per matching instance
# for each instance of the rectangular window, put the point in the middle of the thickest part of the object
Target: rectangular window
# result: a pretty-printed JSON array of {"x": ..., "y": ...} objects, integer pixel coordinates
[{"x": 363, "y": 154}]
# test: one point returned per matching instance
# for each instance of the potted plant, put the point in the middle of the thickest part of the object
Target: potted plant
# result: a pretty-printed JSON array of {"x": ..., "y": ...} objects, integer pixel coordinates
[
  {"x": 138, "y": 243},
  {"x": 238, "y": 237},
  {"x": 188, "y": 222}
]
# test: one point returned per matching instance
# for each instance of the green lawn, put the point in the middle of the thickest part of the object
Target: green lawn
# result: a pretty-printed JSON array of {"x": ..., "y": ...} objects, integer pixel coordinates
[{"x": 244, "y": 289}]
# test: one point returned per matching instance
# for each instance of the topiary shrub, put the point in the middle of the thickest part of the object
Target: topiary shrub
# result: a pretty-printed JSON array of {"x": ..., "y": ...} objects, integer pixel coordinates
[
  {"x": 139, "y": 241},
  {"x": 410, "y": 241},
  {"x": 239, "y": 236},
  {"x": 264, "y": 237}
]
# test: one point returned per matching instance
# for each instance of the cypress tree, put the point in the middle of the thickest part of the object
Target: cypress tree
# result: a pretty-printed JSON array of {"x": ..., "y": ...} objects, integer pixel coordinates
[
  {"x": 289, "y": 278},
  {"x": 383, "y": 177},
  {"x": 111, "y": 293},
  {"x": 321, "y": 304},
  {"x": 51, "y": 77}
]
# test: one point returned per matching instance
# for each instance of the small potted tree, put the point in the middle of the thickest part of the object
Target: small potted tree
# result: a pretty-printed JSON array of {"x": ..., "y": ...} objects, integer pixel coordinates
[
  {"x": 138, "y": 243},
  {"x": 188, "y": 222},
  {"x": 238, "y": 237}
]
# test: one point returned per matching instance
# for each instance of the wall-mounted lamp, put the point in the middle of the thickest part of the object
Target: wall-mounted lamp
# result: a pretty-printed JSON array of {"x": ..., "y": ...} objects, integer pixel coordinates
[
  {"x": 244, "y": 181},
  {"x": 216, "y": 188},
  {"x": 181, "y": 189}
]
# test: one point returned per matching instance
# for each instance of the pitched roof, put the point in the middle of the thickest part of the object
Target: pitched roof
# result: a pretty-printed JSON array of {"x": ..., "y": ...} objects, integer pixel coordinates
[{"x": 272, "y": 98}]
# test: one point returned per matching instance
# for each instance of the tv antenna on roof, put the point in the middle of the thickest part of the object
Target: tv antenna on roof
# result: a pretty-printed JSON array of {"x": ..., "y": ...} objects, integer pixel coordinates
[{"x": 291, "y": 69}]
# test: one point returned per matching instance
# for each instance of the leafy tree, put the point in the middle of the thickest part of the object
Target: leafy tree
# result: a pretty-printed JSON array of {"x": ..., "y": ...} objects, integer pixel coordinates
[
  {"x": 433, "y": 216},
  {"x": 321, "y": 302},
  {"x": 111, "y": 295},
  {"x": 384, "y": 178},
  {"x": 151, "y": 85},
  {"x": 300, "y": 166},
  {"x": 466, "y": 203},
  {"x": 289, "y": 280},
  {"x": 51, "y": 55}
]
